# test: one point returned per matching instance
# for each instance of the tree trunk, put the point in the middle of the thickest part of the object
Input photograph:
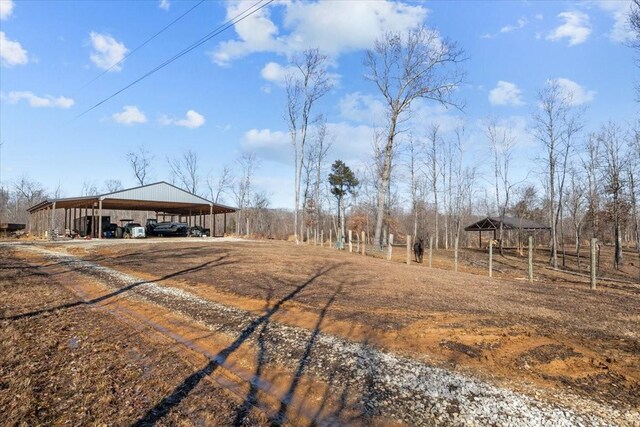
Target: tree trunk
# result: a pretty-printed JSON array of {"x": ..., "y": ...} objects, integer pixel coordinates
[
  {"x": 617, "y": 236},
  {"x": 385, "y": 179}
]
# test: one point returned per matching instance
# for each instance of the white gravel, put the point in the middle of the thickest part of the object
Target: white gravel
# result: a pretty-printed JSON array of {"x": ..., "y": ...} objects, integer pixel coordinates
[{"x": 390, "y": 384}]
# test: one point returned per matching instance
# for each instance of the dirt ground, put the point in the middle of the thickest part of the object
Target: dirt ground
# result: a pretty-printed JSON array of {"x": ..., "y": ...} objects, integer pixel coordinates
[{"x": 73, "y": 351}]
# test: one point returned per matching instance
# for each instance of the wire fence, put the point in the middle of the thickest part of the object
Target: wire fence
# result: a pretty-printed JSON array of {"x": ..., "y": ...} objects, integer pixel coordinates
[{"x": 508, "y": 262}]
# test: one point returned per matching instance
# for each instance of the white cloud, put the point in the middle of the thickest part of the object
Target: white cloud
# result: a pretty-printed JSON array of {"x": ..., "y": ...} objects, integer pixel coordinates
[
  {"x": 576, "y": 94},
  {"x": 576, "y": 28},
  {"x": 6, "y": 9},
  {"x": 362, "y": 108},
  {"x": 268, "y": 144},
  {"x": 333, "y": 27},
  {"x": 40, "y": 101},
  {"x": 11, "y": 52},
  {"x": 192, "y": 120},
  {"x": 506, "y": 93},
  {"x": 509, "y": 28},
  {"x": 520, "y": 24},
  {"x": 129, "y": 115},
  {"x": 107, "y": 51},
  {"x": 619, "y": 10},
  {"x": 276, "y": 73},
  {"x": 425, "y": 112},
  {"x": 164, "y": 4}
]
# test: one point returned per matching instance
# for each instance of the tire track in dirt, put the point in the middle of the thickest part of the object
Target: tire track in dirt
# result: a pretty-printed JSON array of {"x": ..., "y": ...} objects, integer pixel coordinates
[{"x": 387, "y": 385}]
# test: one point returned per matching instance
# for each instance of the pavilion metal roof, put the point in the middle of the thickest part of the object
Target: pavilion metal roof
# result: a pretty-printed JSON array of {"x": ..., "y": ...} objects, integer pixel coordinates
[
  {"x": 491, "y": 223},
  {"x": 159, "y": 197}
]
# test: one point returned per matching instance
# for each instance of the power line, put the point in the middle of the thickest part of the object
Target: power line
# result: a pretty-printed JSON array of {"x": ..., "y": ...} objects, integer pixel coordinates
[
  {"x": 228, "y": 24},
  {"x": 143, "y": 44}
]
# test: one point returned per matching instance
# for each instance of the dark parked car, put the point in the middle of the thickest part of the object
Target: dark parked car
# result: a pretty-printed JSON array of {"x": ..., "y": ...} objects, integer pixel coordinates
[{"x": 165, "y": 229}]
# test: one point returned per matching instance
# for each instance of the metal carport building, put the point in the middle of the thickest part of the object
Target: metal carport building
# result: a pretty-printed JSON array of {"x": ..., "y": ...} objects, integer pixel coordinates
[{"x": 160, "y": 197}]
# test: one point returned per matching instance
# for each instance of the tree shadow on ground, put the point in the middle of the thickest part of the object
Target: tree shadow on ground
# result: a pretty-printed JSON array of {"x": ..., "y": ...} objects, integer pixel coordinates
[
  {"x": 162, "y": 408},
  {"x": 212, "y": 263}
]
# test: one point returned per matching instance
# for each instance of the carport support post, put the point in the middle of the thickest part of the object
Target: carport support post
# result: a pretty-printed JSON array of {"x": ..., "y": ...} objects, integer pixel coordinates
[
  {"x": 593, "y": 263},
  {"x": 350, "y": 243},
  {"x": 390, "y": 247},
  {"x": 100, "y": 219},
  {"x": 53, "y": 217},
  {"x": 363, "y": 244},
  {"x": 530, "y": 275},
  {"x": 408, "y": 249},
  {"x": 212, "y": 221},
  {"x": 491, "y": 258}
]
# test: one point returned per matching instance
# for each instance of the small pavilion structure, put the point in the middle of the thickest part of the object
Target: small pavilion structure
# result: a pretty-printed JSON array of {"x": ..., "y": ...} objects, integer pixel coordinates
[
  {"x": 494, "y": 224},
  {"x": 160, "y": 197}
]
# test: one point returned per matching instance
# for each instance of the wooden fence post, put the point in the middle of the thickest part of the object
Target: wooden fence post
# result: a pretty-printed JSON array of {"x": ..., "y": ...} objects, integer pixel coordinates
[
  {"x": 408, "y": 249},
  {"x": 593, "y": 263},
  {"x": 350, "y": 243},
  {"x": 491, "y": 258},
  {"x": 322, "y": 239},
  {"x": 364, "y": 244},
  {"x": 430, "y": 250},
  {"x": 390, "y": 247},
  {"x": 315, "y": 237},
  {"x": 530, "y": 270},
  {"x": 330, "y": 238}
]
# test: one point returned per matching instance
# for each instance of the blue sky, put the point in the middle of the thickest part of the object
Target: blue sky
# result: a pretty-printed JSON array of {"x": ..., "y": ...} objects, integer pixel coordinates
[{"x": 226, "y": 97}]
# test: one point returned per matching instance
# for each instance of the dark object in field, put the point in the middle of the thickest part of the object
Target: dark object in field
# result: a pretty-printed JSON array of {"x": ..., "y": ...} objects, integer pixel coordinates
[{"x": 418, "y": 250}]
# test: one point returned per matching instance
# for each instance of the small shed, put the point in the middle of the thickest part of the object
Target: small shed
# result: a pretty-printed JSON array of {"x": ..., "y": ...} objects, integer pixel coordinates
[
  {"x": 160, "y": 197},
  {"x": 492, "y": 223}
]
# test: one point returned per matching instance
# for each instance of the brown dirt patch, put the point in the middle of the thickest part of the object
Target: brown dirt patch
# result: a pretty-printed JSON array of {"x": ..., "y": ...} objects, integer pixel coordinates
[{"x": 555, "y": 333}]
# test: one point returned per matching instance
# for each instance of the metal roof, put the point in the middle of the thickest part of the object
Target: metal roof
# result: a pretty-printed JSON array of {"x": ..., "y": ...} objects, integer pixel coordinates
[
  {"x": 491, "y": 223},
  {"x": 159, "y": 197}
]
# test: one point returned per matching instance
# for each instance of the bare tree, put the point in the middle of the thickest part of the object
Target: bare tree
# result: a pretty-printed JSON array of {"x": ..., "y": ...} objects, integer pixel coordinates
[
  {"x": 633, "y": 172},
  {"x": 313, "y": 168},
  {"x": 611, "y": 139},
  {"x": 113, "y": 185},
  {"x": 89, "y": 188},
  {"x": 502, "y": 144},
  {"x": 304, "y": 87},
  {"x": 576, "y": 201},
  {"x": 242, "y": 190},
  {"x": 140, "y": 162},
  {"x": 634, "y": 23},
  {"x": 219, "y": 185},
  {"x": 433, "y": 150},
  {"x": 463, "y": 185},
  {"x": 556, "y": 124},
  {"x": 26, "y": 194},
  {"x": 406, "y": 67},
  {"x": 415, "y": 149},
  {"x": 186, "y": 171},
  {"x": 590, "y": 165}
]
